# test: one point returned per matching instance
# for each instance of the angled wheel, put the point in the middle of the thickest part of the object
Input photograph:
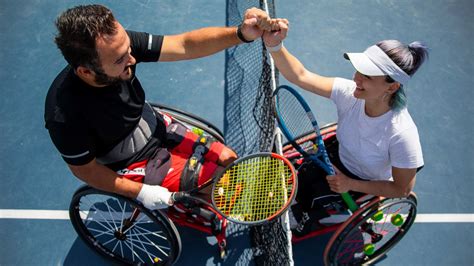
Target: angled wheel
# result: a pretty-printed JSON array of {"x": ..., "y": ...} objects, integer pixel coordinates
[
  {"x": 123, "y": 230},
  {"x": 371, "y": 231}
]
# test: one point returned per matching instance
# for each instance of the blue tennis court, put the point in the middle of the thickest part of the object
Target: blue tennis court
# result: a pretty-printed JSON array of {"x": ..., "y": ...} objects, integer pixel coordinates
[{"x": 37, "y": 185}]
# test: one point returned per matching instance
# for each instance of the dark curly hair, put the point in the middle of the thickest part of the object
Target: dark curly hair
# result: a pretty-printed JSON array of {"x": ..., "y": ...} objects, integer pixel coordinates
[{"x": 78, "y": 29}]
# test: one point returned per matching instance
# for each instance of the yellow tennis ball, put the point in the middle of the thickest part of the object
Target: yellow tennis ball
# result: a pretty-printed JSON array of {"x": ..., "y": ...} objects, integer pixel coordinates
[
  {"x": 198, "y": 131},
  {"x": 369, "y": 249},
  {"x": 156, "y": 260},
  {"x": 397, "y": 219},
  {"x": 377, "y": 216}
]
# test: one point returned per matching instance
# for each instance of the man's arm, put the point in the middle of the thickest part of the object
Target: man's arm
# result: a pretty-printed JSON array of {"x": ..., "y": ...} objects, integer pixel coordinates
[
  {"x": 210, "y": 40},
  {"x": 103, "y": 178}
]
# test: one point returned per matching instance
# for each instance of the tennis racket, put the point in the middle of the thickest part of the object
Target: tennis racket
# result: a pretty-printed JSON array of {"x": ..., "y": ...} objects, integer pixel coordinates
[
  {"x": 296, "y": 119},
  {"x": 252, "y": 190}
]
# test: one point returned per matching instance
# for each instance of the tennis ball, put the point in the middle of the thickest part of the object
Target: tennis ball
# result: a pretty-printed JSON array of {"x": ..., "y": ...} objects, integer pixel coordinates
[
  {"x": 156, "y": 260},
  {"x": 198, "y": 131},
  {"x": 377, "y": 216},
  {"x": 397, "y": 219},
  {"x": 369, "y": 249}
]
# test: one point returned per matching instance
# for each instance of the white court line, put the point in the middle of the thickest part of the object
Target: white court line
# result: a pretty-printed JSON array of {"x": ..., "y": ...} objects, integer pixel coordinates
[
  {"x": 444, "y": 218},
  {"x": 34, "y": 214},
  {"x": 64, "y": 215}
]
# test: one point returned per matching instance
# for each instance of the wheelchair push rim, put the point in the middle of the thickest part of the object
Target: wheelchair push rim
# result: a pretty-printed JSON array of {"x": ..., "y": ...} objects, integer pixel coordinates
[
  {"x": 371, "y": 232},
  {"x": 122, "y": 229}
]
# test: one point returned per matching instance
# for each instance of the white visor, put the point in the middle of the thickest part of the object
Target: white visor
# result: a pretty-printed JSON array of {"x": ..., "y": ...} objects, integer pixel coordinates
[{"x": 375, "y": 62}]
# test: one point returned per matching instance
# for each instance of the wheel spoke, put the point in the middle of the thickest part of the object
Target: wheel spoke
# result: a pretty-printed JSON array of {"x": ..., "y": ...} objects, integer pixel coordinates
[
  {"x": 141, "y": 217},
  {"x": 353, "y": 243},
  {"x": 157, "y": 233},
  {"x": 118, "y": 228},
  {"x": 123, "y": 209},
  {"x": 116, "y": 245},
  {"x": 95, "y": 210},
  {"x": 108, "y": 209},
  {"x": 100, "y": 232},
  {"x": 112, "y": 239},
  {"x": 130, "y": 246},
  {"x": 348, "y": 245},
  {"x": 158, "y": 247},
  {"x": 141, "y": 244},
  {"x": 121, "y": 249}
]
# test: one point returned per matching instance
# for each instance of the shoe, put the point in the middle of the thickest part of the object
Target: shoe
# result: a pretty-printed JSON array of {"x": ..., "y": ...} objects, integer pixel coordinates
[{"x": 306, "y": 221}]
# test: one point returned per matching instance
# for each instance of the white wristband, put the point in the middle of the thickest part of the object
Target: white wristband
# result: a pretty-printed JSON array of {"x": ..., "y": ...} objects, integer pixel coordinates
[{"x": 274, "y": 48}]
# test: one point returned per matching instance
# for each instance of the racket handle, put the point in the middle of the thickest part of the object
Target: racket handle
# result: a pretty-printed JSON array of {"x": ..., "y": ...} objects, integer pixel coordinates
[
  {"x": 187, "y": 198},
  {"x": 180, "y": 196},
  {"x": 349, "y": 201}
]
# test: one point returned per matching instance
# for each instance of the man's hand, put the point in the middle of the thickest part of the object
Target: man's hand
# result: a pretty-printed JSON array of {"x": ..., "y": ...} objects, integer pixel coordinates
[
  {"x": 154, "y": 197},
  {"x": 277, "y": 34},
  {"x": 227, "y": 156},
  {"x": 255, "y": 22}
]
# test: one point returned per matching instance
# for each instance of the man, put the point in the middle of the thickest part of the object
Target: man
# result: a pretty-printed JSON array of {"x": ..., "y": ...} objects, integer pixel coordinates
[{"x": 96, "y": 112}]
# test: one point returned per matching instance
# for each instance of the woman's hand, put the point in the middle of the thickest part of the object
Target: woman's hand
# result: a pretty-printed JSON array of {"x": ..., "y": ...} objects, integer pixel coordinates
[
  {"x": 255, "y": 22},
  {"x": 339, "y": 182},
  {"x": 278, "y": 32}
]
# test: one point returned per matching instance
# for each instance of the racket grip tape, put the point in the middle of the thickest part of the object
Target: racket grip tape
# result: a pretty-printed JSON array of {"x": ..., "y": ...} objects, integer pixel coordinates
[
  {"x": 180, "y": 196},
  {"x": 349, "y": 201}
]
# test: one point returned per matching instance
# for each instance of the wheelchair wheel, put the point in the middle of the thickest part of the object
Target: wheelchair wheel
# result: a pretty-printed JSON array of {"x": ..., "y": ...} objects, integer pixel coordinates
[
  {"x": 371, "y": 231},
  {"x": 122, "y": 229}
]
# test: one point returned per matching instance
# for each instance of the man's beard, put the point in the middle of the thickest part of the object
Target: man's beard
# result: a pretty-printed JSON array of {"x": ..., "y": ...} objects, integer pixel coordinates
[{"x": 105, "y": 80}]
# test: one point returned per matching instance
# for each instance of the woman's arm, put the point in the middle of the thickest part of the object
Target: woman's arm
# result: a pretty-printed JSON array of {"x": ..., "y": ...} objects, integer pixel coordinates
[
  {"x": 401, "y": 186},
  {"x": 291, "y": 68}
]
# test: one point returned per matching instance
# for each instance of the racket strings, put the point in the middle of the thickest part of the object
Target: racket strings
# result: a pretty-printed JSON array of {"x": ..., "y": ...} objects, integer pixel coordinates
[
  {"x": 292, "y": 114},
  {"x": 254, "y": 190}
]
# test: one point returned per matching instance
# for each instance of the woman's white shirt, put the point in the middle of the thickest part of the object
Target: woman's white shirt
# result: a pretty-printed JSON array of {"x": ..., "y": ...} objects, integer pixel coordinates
[{"x": 370, "y": 146}]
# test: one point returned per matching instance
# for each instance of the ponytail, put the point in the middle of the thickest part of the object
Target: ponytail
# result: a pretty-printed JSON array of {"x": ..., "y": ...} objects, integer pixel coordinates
[
  {"x": 409, "y": 58},
  {"x": 419, "y": 51}
]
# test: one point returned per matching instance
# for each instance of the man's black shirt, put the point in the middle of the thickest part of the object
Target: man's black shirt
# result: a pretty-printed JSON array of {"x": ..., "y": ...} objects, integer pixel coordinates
[{"x": 86, "y": 122}]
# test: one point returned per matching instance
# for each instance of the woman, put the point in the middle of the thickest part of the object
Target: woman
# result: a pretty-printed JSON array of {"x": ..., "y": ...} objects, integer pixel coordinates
[{"x": 378, "y": 140}]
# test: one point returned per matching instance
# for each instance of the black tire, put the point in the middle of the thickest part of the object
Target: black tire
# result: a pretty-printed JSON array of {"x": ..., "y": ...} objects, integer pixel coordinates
[
  {"x": 152, "y": 239},
  {"x": 346, "y": 246}
]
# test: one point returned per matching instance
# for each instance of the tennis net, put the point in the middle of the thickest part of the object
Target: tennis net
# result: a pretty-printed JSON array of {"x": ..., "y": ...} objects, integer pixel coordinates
[{"x": 249, "y": 124}]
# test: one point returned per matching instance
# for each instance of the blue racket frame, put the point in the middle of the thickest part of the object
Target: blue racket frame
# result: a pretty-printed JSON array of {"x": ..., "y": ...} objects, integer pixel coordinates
[{"x": 321, "y": 157}]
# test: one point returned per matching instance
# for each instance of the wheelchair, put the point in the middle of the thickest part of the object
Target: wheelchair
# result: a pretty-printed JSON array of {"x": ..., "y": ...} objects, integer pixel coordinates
[
  {"x": 123, "y": 230},
  {"x": 365, "y": 236}
]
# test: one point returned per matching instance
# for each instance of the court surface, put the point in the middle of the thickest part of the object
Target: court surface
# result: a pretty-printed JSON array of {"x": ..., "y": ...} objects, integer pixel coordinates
[{"x": 35, "y": 179}]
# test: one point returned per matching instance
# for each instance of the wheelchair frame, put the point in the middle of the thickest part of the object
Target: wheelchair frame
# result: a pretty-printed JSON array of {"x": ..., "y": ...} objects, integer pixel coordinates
[
  {"x": 117, "y": 233},
  {"x": 151, "y": 237},
  {"x": 362, "y": 237}
]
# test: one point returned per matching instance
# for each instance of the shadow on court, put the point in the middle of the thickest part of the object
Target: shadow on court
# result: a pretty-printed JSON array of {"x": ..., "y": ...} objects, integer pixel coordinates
[{"x": 197, "y": 249}]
